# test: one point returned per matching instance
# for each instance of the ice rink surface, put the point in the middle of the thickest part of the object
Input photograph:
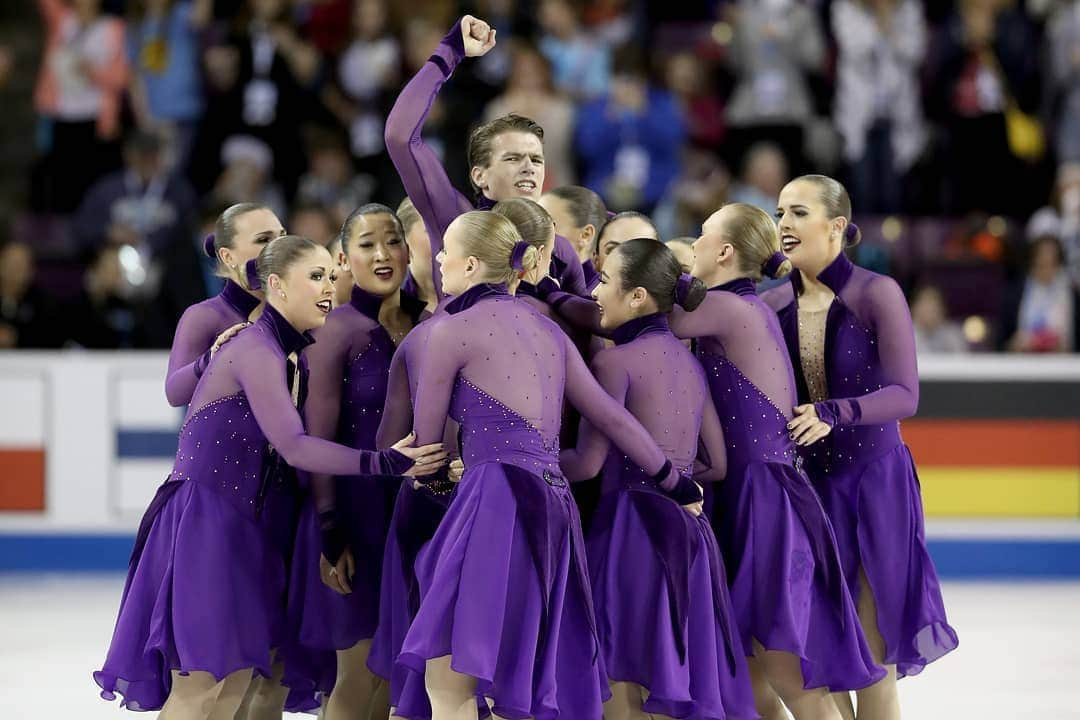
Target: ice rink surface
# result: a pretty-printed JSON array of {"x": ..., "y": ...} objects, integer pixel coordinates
[{"x": 1019, "y": 654}]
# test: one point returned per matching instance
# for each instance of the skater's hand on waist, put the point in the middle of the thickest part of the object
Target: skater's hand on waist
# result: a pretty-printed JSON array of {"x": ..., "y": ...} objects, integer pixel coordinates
[
  {"x": 457, "y": 469},
  {"x": 807, "y": 428}
]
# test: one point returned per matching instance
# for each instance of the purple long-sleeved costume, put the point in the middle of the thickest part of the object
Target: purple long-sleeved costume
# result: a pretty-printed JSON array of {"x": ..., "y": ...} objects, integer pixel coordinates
[
  {"x": 436, "y": 199},
  {"x": 781, "y": 554},
  {"x": 417, "y": 514},
  {"x": 199, "y": 326},
  {"x": 206, "y": 583},
  {"x": 349, "y": 364},
  {"x": 503, "y": 587},
  {"x": 872, "y": 381},
  {"x": 779, "y": 546},
  {"x": 659, "y": 585}
]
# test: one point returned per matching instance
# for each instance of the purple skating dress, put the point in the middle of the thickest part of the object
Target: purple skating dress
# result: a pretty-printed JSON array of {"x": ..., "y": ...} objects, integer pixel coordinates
[
  {"x": 659, "y": 585},
  {"x": 866, "y": 380},
  {"x": 349, "y": 364},
  {"x": 503, "y": 584},
  {"x": 207, "y": 579},
  {"x": 417, "y": 514},
  {"x": 196, "y": 332},
  {"x": 423, "y": 175},
  {"x": 783, "y": 568}
]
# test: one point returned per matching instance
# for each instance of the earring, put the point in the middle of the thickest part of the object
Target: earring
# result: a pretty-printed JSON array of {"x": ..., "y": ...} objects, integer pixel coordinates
[
  {"x": 233, "y": 266},
  {"x": 282, "y": 293}
]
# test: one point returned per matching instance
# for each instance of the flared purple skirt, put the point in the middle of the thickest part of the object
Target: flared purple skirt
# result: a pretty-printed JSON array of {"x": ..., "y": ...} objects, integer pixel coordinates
[
  {"x": 876, "y": 512},
  {"x": 320, "y": 620},
  {"x": 503, "y": 592},
  {"x": 417, "y": 515},
  {"x": 690, "y": 659},
  {"x": 785, "y": 577},
  {"x": 205, "y": 592}
]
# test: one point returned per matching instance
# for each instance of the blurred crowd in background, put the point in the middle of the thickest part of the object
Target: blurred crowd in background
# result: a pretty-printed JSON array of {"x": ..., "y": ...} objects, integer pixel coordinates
[{"x": 130, "y": 125}]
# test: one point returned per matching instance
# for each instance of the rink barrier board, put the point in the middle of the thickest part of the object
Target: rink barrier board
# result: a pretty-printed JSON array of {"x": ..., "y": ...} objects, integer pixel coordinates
[
  {"x": 996, "y": 437},
  {"x": 955, "y": 558}
]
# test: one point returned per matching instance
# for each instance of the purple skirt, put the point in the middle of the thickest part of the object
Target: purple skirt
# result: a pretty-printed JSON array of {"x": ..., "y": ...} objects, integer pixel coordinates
[
  {"x": 417, "y": 515},
  {"x": 680, "y": 643},
  {"x": 882, "y": 531},
  {"x": 503, "y": 591},
  {"x": 205, "y": 592},
  {"x": 784, "y": 576},
  {"x": 320, "y": 620}
]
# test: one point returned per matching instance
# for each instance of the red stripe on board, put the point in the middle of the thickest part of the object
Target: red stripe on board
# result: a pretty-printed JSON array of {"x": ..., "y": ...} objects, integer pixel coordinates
[
  {"x": 1009, "y": 443},
  {"x": 22, "y": 479}
]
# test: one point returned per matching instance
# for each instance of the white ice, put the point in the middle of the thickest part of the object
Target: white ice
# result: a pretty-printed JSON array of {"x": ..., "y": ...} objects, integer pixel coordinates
[{"x": 1019, "y": 655}]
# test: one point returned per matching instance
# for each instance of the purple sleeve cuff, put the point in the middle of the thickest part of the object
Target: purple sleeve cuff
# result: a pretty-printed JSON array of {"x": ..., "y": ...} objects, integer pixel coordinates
[
  {"x": 201, "y": 363},
  {"x": 450, "y": 51},
  {"x": 836, "y": 413},
  {"x": 827, "y": 412},
  {"x": 686, "y": 491},
  {"x": 333, "y": 537},
  {"x": 392, "y": 462}
]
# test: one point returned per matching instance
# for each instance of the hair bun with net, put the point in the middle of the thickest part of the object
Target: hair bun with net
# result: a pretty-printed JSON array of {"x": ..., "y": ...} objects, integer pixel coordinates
[
  {"x": 682, "y": 289},
  {"x": 208, "y": 246}
]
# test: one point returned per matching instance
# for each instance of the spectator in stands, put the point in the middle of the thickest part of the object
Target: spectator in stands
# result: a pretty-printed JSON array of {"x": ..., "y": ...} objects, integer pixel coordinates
[
  {"x": 701, "y": 187},
  {"x": 248, "y": 174},
  {"x": 166, "y": 84},
  {"x": 691, "y": 82},
  {"x": 877, "y": 107},
  {"x": 530, "y": 92},
  {"x": 629, "y": 140},
  {"x": 330, "y": 180},
  {"x": 1042, "y": 313},
  {"x": 263, "y": 79},
  {"x": 581, "y": 66},
  {"x": 934, "y": 331},
  {"x": 102, "y": 316},
  {"x": 79, "y": 92},
  {"x": 1064, "y": 81},
  {"x": 314, "y": 221},
  {"x": 765, "y": 173},
  {"x": 364, "y": 82},
  {"x": 146, "y": 204},
  {"x": 984, "y": 63},
  {"x": 777, "y": 44},
  {"x": 27, "y": 318},
  {"x": 1061, "y": 218}
]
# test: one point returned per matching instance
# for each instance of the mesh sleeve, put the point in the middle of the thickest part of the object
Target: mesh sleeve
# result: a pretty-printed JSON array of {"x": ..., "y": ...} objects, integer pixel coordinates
[
  {"x": 190, "y": 353},
  {"x": 586, "y": 459},
  {"x": 711, "y": 465},
  {"x": 326, "y": 364},
  {"x": 397, "y": 408},
  {"x": 885, "y": 310},
  {"x": 422, "y": 174},
  {"x": 609, "y": 417},
  {"x": 435, "y": 384},
  {"x": 262, "y": 380}
]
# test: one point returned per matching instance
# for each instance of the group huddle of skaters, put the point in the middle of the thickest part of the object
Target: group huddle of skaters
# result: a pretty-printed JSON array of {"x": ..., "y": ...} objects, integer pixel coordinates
[{"x": 371, "y": 513}]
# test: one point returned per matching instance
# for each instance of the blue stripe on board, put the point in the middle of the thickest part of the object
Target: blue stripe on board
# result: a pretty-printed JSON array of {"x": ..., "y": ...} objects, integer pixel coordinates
[
  {"x": 955, "y": 558},
  {"x": 146, "y": 444}
]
